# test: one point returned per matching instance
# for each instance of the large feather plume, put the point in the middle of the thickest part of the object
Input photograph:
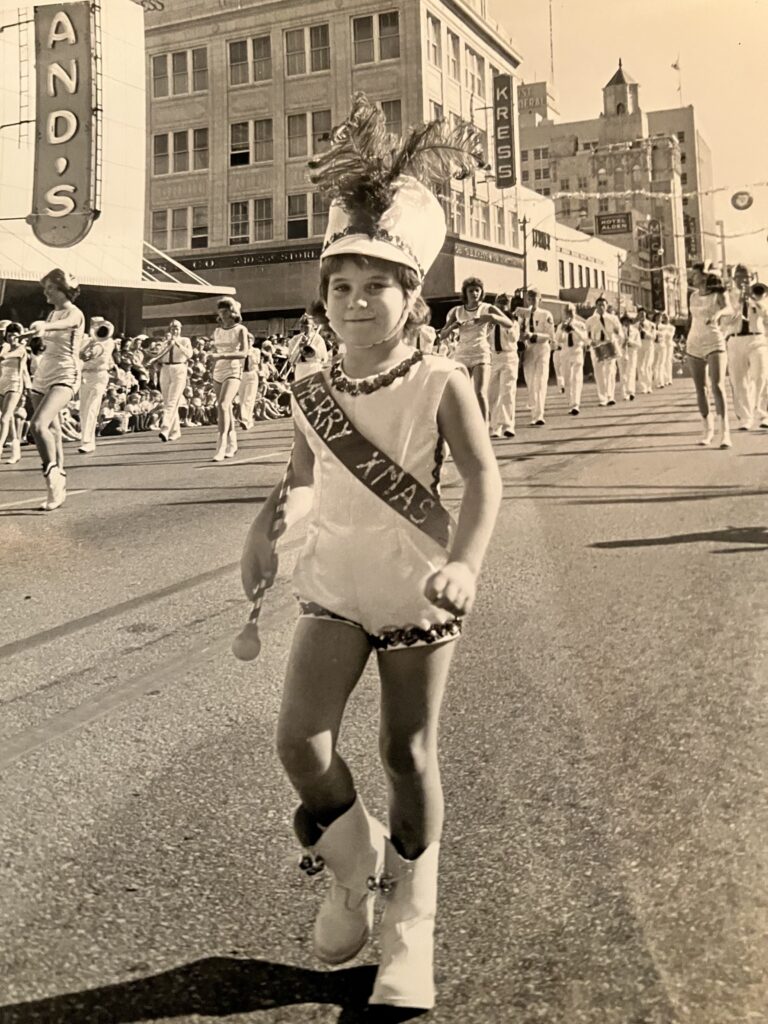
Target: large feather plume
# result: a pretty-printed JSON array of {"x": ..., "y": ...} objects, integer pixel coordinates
[{"x": 364, "y": 162}]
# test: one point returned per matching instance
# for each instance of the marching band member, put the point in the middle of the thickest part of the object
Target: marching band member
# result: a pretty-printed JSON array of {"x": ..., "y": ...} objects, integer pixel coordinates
[
  {"x": 630, "y": 347},
  {"x": 248, "y": 391},
  {"x": 605, "y": 339},
  {"x": 571, "y": 338},
  {"x": 173, "y": 357},
  {"x": 14, "y": 378},
  {"x": 537, "y": 330},
  {"x": 97, "y": 359},
  {"x": 645, "y": 359},
  {"x": 505, "y": 365},
  {"x": 705, "y": 351},
  {"x": 474, "y": 320},
  {"x": 230, "y": 350},
  {"x": 748, "y": 351},
  {"x": 56, "y": 379},
  {"x": 308, "y": 351},
  {"x": 557, "y": 365},
  {"x": 372, "y": 579},
  {"x": 664, "y": 353}
]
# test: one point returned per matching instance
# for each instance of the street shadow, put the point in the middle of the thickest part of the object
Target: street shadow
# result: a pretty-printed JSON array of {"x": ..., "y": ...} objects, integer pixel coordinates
[
  {"x": 253, "y": 500},
  {"x": 709, "y": 494},
  {"x": 754, "y": 535},
  {"x": 214, "y": 987}
]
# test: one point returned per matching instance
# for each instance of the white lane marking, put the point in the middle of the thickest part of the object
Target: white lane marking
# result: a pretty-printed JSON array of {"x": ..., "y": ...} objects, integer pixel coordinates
[
  {"x": 244, "y": 462},
  {"x": 26, "y": 501}
]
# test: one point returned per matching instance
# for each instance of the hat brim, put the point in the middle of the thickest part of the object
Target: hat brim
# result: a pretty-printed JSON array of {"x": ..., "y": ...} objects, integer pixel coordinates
[{"x": 374, "y": 248}]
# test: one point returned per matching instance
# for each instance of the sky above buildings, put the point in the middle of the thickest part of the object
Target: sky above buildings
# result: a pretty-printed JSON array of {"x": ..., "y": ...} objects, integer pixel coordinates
[{"x": 721, "y": 52}]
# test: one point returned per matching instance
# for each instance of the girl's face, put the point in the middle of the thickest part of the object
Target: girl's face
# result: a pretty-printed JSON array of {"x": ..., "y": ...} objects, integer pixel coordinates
[
  {"x": 698, "y": 279},
  {"x": 53, "y": 295},
  {"x": 474, "y": 294},
  {"x": 225, "y": 316},
  {"x": 366, "y": 305}
]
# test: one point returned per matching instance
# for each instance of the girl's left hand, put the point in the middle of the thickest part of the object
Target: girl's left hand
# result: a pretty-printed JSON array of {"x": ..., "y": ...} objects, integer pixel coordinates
[{"x": 452, "y": 588}]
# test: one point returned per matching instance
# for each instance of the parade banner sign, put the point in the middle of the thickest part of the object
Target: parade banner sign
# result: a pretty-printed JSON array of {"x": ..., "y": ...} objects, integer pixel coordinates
[
  {"x": 613, "y": 223},
  {"x": 504, "y": 130},
  {"x": 62, "y": 212}
]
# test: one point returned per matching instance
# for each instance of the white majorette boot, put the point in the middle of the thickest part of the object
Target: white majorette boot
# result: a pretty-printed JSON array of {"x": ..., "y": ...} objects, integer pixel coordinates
[
  {"x": 709, "y": 429},
  {"x": 723, "y": 431},
  {"x": 352, "y": 849},
  {"x": 405, "y": 976}
]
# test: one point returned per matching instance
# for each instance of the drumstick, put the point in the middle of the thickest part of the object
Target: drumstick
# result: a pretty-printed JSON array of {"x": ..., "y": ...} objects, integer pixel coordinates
[{"x": 247, "y": 644}]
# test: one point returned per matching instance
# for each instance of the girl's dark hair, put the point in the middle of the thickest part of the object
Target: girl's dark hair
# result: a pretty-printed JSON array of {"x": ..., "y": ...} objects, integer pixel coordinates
[
  {"x": 468, "y": 283},
  {"x": 407, "y": 278},
  {"x": 61, "y": 280},
  {"x": 714, "y": 284}
]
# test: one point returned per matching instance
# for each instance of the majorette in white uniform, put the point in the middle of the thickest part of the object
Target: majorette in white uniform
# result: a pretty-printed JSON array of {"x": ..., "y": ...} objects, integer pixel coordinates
[
  {"x": 571, "y": 339},
  {"x": 537, "y": 329},
  {"x": 747, "y": 342},
  {"x": 227, "y": 341},
  {"x": 62, "y": 333},
  {"x": 646, "y": 331},
  {"x": 630, "y": 349},
  {"x": 97, "y": 359},
  {"x": 605, "y": 338},
  {"x": 664, "y": 352},
  {"x": 505, "y": 367}
]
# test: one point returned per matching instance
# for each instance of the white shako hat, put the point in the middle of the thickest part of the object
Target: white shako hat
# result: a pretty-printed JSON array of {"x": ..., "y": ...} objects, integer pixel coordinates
[
  {"x": 383, "y": 187},
  {"x": 411, "y": 231}
]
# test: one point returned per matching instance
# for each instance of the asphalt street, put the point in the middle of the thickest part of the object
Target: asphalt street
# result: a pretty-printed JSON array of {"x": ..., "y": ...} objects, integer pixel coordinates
[{"x": 603, "y": 744}]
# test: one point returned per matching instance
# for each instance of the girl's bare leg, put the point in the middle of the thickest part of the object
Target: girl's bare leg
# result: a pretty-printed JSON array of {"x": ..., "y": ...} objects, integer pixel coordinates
[
  {"x": 7, "y": 419},
  {"x": 44, "y": 423}
]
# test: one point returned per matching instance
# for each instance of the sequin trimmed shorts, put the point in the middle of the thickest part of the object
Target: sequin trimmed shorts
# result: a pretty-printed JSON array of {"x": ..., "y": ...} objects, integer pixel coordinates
[{"x": 394, "y": 639}]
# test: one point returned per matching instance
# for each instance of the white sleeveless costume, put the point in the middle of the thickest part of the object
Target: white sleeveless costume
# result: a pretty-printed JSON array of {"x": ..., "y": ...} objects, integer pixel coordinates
[
  {"x": 225, "y": 342},
  {"x": 363, "y": 563},
  {"x": 704, "y": 338},
  {"x": 63, "y": 336},
  {"x": 12, "y": 362}
]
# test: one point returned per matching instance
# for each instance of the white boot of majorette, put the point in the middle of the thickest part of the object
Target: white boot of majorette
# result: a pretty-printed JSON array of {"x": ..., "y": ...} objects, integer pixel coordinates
[
  {"x": 708, "y": 424},
  {"x": 352, "y": 849},
  {"x": 405, "y": 976}
]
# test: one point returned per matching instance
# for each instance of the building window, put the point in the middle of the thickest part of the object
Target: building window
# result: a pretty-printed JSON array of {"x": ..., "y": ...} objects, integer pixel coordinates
[
  {"x": 581, "y": 277},
  {"x": 565, "y": 206},
  {"x": 514, "y": 229},
  {"x": 595, "y": 278},
  {"x": 546, "y": 192},
  {"x": 262, "y": 58},
  {"x": 199, "y": 149},
  {"x": 602, "y": 178},
  {"x": 565, "y": 184},
  {"x": 393, "y": 119},
  {"x": 583, "y": 184},
  {"x": 160, "y": 159},
  {"x": 180, "y": 152},
  {"x": 561, "y": 272},
  {"x": 602, "y": 205},
  {"x": 238, "y": 62},
  {"x": 458, "y": 214},
  {"x": 250, "y": 60},
  {"x": 239, "y": 145},
  {"x": 683, "y": 158},
  {"x": 545, "y": 173},
  {"x": 684, "y": 178},
  {"x": 389, "y": 35},
  {"x": 475, "y": 72},
  {"x": 363, "y": 41},
  {"x": 320, "y": 206},
  {"x": 179, "y": 219},
  {"x": 523, "y": 156},
  {"x": 501, "y": 234},
  {"x": 435, "y": 111},
  {"x": 239, "y": 232},
  {"x": 307, "y": 48},
  {"x": 297, "y": 135},
  {"x": 262, "y": 219},
  {"x": 681, "y": 136},
  {"x": 454, "y": 69},
  {"x": 524, "y": 175},
  {"x": 571, "y": 282},
  {"x": 188, "y": 72},
  {"x": 321, "y": 131},
  {"x": 199, "y": 239},
  {"x": 376, "y": 39},
  {"x": 537, "y": 174},
  {"x": 298, "y": 222},
  {"x": 542, "y": 266},
  {"x": 541, "y": 154},
  {"x": 434, "y": 42},
  {"x": 160, "y": 229},
  {"x": 602, "y": 275},
  {"x": 263, "y": 143},
  {"x": 618, "y": 179},
  {"x": 685, "y": 200}
]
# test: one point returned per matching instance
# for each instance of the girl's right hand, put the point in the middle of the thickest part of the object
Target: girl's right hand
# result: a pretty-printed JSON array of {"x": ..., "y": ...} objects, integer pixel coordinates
[{"x": 258, "y": 564}]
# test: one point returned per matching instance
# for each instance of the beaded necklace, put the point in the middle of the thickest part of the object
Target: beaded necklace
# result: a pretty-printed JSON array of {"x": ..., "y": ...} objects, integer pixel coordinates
[{"x": 366, "y": 385}]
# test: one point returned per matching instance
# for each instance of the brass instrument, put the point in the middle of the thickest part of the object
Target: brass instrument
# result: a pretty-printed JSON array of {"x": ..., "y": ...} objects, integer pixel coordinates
[{"x": 758, "y": 291}]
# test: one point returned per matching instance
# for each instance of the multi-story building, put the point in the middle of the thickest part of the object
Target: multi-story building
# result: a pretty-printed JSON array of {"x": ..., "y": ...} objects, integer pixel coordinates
[
  {"x": 620, "y": 176},
  {"x": 240, "y": 97}
]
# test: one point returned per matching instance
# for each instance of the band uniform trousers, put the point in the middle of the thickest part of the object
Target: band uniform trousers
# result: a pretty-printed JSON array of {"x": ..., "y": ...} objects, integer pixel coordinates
[
  {"x": 605, "y": 379},
  {"x": 173, "y": 380},
  {"x": 748, "y": 370},
  {"x": 645, "y": 365},
  {"x": 557, "y": 363},
  {"x": 536, "y": 374},
  {"x": 247, "y": 394},
  {"x": 628, "y": 370},
  {"x": 93, "y": 387},
  {"x": 658, "y": 372},
  {"x": 572, "y": 364},
  {"x": 502, "y": 390}
]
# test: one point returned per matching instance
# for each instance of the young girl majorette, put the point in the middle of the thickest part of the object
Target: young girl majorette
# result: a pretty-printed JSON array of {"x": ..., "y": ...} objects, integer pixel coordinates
[
  {"x": 230, "y": 350},
  {"x": 378, "y": 572},
  {"x": 14, "y": 378},
  {"x": 705, "y": 351},
  {"x": 97, "y": 360},
  {"x": 57, "y": 378}
]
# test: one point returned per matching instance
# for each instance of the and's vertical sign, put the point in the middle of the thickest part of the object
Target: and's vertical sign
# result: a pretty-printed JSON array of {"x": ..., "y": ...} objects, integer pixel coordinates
[
  {"x": 62, "y": 203},
  {"x": 504, "y": 130}
]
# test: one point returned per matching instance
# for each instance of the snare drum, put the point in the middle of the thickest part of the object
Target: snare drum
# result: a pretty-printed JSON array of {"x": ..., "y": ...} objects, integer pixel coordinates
[{"x": 606, "y": 350}]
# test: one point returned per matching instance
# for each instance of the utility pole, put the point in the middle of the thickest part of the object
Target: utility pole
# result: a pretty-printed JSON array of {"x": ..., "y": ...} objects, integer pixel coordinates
[
  {"x": 724, "y": 268},
  {"x": 524, "y": 226},
  {"x": 619, "y": 265}
]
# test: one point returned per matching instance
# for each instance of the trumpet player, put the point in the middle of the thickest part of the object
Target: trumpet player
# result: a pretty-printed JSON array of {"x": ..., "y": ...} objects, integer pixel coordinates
[
  {"x": 748, "y": 350},
  {"x": 97, "y": 359},
  {"x": 173, "y": 356}
]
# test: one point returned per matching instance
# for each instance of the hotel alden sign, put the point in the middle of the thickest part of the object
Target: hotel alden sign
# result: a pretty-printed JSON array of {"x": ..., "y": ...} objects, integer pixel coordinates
[
  {"x": 504, "y": 130},
  {"x": 63, "y": 189}
]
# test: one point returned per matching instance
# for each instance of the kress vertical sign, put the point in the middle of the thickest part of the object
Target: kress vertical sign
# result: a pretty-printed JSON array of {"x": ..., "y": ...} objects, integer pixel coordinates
[
  {"x": 504, "y": 130},
  {"x": 62, "y": 197}
]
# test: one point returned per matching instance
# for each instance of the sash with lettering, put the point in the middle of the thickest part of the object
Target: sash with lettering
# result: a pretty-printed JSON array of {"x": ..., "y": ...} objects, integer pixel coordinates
[{"x": 396, "y": 487}]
